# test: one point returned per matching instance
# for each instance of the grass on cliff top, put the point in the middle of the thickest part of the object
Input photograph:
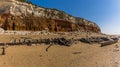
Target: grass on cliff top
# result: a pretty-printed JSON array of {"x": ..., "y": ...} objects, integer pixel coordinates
[{"x": 27, "y": 1}]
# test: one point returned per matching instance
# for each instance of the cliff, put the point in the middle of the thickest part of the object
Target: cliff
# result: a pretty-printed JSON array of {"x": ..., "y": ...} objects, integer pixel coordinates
[{"x": 15, "y": 15}]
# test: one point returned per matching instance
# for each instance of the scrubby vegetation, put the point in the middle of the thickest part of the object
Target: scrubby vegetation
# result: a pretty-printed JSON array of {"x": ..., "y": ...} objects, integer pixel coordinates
[
  {"x": 27, "y": 1},
  {"x": 23, "y": 0}
]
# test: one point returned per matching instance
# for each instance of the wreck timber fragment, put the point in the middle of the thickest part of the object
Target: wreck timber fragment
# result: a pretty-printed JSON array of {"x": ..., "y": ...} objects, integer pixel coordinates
[
  {"x": 28, "y": 41},
  {"x": 108, "y": 42},
  {"x": 91, "y": 40},
  {"x": 104, "y": 41}
]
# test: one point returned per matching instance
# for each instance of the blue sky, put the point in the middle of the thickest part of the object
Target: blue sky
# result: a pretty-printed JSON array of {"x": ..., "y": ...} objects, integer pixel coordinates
[{"x": 106, "y": 13}]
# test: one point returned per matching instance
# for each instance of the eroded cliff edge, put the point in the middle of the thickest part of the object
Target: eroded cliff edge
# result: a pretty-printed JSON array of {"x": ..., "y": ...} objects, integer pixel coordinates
[{"x": 15, "y": 15}]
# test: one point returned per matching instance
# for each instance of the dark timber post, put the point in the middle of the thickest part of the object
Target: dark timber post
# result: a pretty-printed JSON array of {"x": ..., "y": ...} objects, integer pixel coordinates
[{"x": 3, "y": 50}]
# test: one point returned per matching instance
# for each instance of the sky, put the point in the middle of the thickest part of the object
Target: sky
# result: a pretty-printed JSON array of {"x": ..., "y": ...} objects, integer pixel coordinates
[{"x": 106, "y": 13}]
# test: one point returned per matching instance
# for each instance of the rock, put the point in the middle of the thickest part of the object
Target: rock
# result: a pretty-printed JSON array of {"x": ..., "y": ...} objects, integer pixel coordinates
[
  {"x": 116, "y": 46},
  {"x": 115, "y": 50},
  {"x": 2, "y": 30}
]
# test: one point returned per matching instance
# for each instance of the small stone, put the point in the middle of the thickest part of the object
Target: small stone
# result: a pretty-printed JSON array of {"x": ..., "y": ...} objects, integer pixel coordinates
[{"x": 116, "y": 46}]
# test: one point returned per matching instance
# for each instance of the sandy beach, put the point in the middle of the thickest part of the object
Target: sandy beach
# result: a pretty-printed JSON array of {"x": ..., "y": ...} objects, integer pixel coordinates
[
  {"x": 77, "y": 55},
  {"x": 59, "y": 33}
]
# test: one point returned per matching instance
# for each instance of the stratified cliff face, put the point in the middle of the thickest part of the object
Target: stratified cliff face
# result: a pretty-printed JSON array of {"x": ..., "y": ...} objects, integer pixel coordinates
[
  {"x": 32, "y": 23},
  {"x": 87, "y": 25},
  {"x": 16, "y": 15}
]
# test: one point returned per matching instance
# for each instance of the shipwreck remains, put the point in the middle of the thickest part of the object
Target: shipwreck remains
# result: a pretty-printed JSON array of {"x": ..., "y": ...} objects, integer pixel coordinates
[
  {"x": 28, "y": 41},
  {"x": 104, "y": 41}
]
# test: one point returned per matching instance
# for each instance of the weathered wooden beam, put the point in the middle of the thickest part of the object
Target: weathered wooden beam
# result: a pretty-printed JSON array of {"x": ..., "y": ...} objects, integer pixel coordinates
[{"x": 108, "y": 43}]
